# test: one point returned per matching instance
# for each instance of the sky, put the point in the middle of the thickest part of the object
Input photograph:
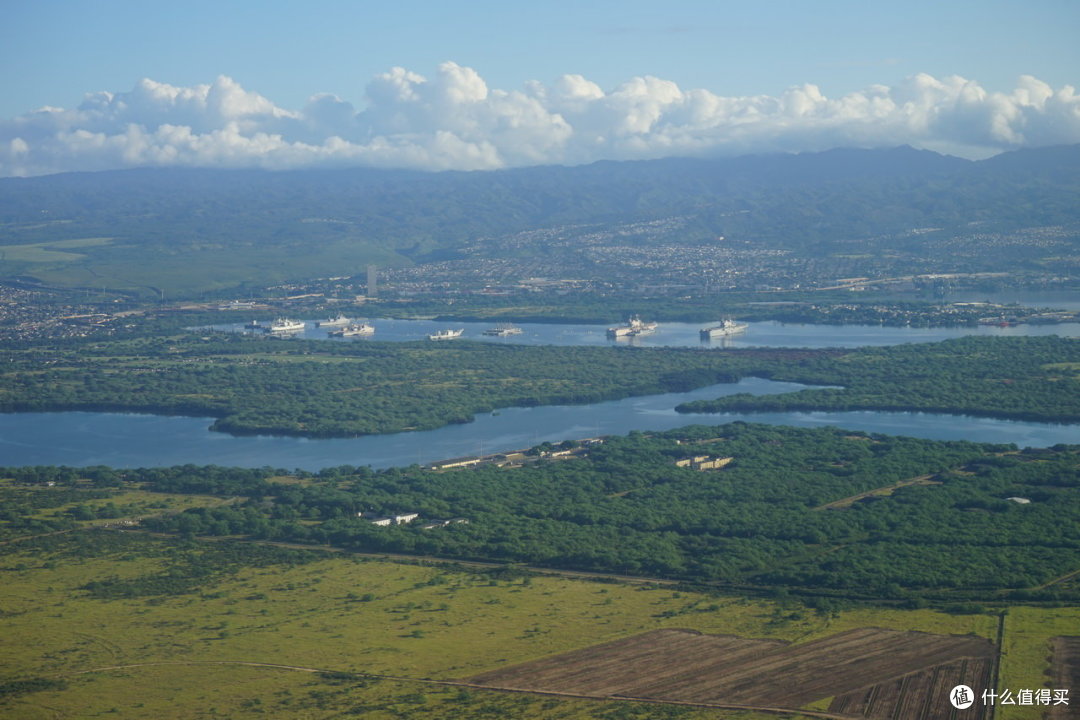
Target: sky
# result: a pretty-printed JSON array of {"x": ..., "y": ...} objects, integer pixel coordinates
[{"x": 100, "y": 84}]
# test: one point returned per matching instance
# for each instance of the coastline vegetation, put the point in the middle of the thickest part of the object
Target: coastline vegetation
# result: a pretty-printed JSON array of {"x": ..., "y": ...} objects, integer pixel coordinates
[
  {"x": 323, "y": 389},
  {"x": 826, "y": 514},
  {"x": 1020, "y": 378}
]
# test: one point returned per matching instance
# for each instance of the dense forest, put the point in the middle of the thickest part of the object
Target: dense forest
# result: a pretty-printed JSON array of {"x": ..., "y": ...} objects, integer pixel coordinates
[
  {"x": 318, "y": 388},
  {"x": 324, "y": 389},
  {"x": 1032, "y": 378},
  {"x": 791, "y": 511}
]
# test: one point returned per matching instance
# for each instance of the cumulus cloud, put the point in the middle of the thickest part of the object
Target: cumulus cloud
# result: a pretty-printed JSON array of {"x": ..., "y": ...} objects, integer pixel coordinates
[{"x": 454, "y": 120}]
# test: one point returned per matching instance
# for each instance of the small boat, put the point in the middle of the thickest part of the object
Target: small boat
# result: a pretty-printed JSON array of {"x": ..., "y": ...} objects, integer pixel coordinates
[
  {"x": 354, "y": 330},
  {"x": 446, "y": 334},
  {"x": 503, "y": 330}
]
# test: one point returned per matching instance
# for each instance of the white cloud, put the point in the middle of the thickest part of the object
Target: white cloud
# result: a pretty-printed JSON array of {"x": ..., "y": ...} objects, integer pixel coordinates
[{"x": 455, "y": 121}]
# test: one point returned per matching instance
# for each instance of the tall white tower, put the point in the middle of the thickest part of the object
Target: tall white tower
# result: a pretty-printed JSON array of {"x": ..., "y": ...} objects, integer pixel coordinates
[{"x": 372, "y": 281}]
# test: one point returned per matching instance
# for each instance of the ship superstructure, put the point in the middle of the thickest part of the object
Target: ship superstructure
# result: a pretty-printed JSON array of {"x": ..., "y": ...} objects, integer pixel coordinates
[
  {"x": 339, "y": 321},
  {"x": 446, "y": 334},
  {"x": 503, "y": 330},
  {"x": 285, "y": 325}
]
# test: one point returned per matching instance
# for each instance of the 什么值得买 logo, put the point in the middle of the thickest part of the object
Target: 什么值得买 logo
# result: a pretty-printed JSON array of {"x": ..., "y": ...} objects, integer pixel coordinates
[{"x": 963, "y": 697}]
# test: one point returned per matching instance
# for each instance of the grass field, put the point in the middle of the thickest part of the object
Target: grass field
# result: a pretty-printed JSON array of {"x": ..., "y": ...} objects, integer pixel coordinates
[
  {"x": 133, "y": 266},
  {"x": 50, "y": 252},
  {"x": 337, "y": 613},
  {"x": 1025, "y": 662},
  {"x": 138, "y": 503},
  {"x": 85, "y": 506}
]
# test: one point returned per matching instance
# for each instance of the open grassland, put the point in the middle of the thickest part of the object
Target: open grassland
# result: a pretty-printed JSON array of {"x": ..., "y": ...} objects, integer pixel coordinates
[
  {"x": 133, "y": 266},
  {"x": 1027, "y": 651},
  {"x": 50, "y": 252},
  {"x": 338, "y": 614},
  {"x": 219, "y": 692},
  {"x": 36, "y": 509},
  {"x": 928, "y": 621},
  {"x": 134, "y": 504}
]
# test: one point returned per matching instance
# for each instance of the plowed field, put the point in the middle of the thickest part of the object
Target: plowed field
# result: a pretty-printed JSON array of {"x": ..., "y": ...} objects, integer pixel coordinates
[
  {"x": 1065, "y": 671},
  {"x": 869, "y": 672},
  {"x": 922, "y": 695}
]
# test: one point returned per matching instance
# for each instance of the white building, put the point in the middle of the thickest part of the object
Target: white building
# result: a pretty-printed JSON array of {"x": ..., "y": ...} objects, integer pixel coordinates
[{"x": 384, "y": 520}]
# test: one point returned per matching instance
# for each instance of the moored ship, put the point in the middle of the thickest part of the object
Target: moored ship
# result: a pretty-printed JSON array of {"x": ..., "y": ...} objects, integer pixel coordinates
[
  {"x": 338, "y": 321},
  {"x": 354, "y": 330},
  {"x": 446, "y": 334},
  {"x": 285, "y": 325},
  {"x": 503, "y": 330},
  {"x": 726, "y": 328},
  {"x": 633, "y": 327}
]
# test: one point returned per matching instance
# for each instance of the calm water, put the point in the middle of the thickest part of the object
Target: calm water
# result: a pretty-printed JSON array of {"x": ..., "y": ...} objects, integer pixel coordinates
[
  {"x": 759, "y": 334},
  {"x": 130, "y": 440}
]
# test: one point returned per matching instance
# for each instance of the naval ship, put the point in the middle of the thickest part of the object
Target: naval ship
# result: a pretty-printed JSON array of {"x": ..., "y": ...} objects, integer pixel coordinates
[
  {"x": 354, "y": 330},
  {"x": 446, "y": 334},
  {"x": 633, "y": 327},
  {"x": 726, "y": 328}
]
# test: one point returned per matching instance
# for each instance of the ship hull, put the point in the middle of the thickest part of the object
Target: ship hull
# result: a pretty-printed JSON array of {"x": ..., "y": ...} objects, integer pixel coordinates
[
  {"x": 446, "y": 335},
  {"x": 354, "y": 331},
  {"x": 632, "y": 328},
  {"x": 722, "y": 331},
  {"x": 339, "y": 321}
]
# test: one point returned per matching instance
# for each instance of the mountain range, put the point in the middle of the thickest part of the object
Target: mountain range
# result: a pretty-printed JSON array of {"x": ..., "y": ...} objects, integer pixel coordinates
[{"x": 193, "y": 230}]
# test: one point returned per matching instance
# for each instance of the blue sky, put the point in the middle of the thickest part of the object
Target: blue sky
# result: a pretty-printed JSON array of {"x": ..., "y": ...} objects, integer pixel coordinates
[{"x": 52, "y": 52}]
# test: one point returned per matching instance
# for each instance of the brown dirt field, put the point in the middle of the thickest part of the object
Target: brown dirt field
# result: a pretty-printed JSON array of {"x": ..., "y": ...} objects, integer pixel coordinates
[
  {"x": 615, "y": 667},
  {"x": 684, "y": 665},
  {"x": 923, "y": 695},
  {"x": 1065, "y": 674}
]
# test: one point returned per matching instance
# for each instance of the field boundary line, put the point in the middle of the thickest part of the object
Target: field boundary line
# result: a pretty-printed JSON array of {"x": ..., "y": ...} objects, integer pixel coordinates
[
  {"x": 567, "y": 574},
  {"x": 997, "y": 659},
  {"x": 428, "y": 559},
  {"x": 1061, "y": 579},
  {"x": 474, "y": 686},
  {"x": 879, "y": 492}
]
